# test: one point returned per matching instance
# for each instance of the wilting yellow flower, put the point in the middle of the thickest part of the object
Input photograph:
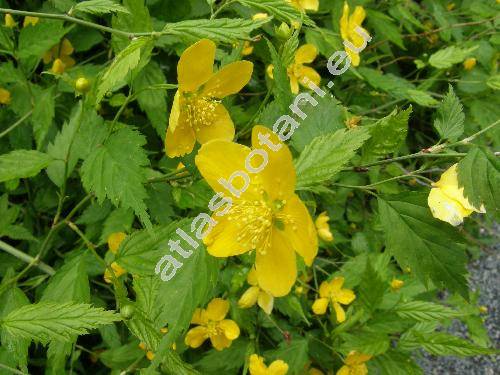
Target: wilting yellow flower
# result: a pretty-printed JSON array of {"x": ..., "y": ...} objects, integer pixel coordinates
[
  {"x": 4, "y": 96},
  {"x": 258, "y": 367},
  {"x": 322, "y": 227},
  {"x": 305, "y": 4},
  {"x": 470, "y": 63},
  {"x": 197, "y": 112},
  {"x": 354, "y": 364},
  {"x": 212, "y": 325},
  {"x": 268, "y": 216},
  {"x": 60, "y": 53},
  {"x": 9, "y": 21},
  {"x": 332, "y": 292},
  {"x": 117, "y": 270},
  {"x": 348, "y": 25},
  {"x": 28, "y": 20},
  {"x": 114, "y": 241},
  {"x": 255, "y": 294},
  {"x": 397, "y": 284},
  {"x": 446, "y": 200},
  {"x": 297, "y": 71}
]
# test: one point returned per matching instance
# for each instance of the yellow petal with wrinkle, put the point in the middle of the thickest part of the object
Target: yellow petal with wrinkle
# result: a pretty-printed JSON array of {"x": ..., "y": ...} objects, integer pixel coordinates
[
  {"x": 220, "y": 342},
  {"x": 325, "y": 289},
  {"x": 445, "y": 208},
  {"x": 344, "y": 22},
  {"x": 249, "y": 298},
  {"x": 266, "y": 302},
  {"x": 221, "y": 128},
  {"x": 301, "y": 231},
  {"x": 275, "y": 265},
  {"x": 195, "y": 337},
  {"x": 230, "y": 329},
  {"x": 195, "y": 65},
  {"x": 320, "y": 305},
  {"x": 306, "y": 54},
  {"x": 222, "y": 241},
  {"x": 179, "y": 139},
  {"x": 257, "y": 366},
  {"x": 339, "y": 312},
  {"x": 311, "y": 74},
  {"x": 278, "y": 177},
  {"x": 217, "y": 309},
  {"x": 199, "y": 317},
  {"x": 278, "y": 367},
  {"x": 229, "y": 80},
  {"x": 345, "y": 296}
]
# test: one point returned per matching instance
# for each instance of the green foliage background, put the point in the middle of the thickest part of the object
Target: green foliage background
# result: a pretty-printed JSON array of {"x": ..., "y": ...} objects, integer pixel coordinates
[{"x": 76, "y": 167}]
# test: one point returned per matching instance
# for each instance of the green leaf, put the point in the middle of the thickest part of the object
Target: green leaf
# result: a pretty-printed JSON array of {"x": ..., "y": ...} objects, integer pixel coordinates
[
  {"x": 494, "y": 82},
  {"x": 479, "y": 174},
  {"x": 388, "y": 133},
  {"x": 47, "y": 321},
  {"x": 225, "y": 30},
  {"x": 34, "y": 41},
  {"x": 385, "y": 27},
  {"x": 281, "y": 85},
  {"x": 122, "y": 356},
  {"x": 431, "y": 248},
  {"x": 22, "y": 164},
  {"x": 115, "y": 170},
  {"x": 293, "y": 353},
  {"x": 99, "y": 7},
  {"x": 280, "y": 9},
  {"x": 119, "y": 220},
  {"x": 372, "y": 288},
  {"x": 43, "y": 113},
  {"x": 136, "y": 20},
  {"x": 447, "y": 57},
  {"x": 365, "y": 342},
  {"x": 395, "y": 363},
  {"x": 222, "y": 362},
  {"x": 449, "y": 121},
  {"x": 325, "y": 156},
  {"x": 424, "y": 311}
]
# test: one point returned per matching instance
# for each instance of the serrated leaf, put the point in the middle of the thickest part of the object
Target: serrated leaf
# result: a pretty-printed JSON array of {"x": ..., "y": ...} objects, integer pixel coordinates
[
  {"x": 43, "y": 114},
  {"x": 47, "y": 321},
  {"x": 136, "y": 20},
  {"x": 281, "y": 85},
  {"x": 22, "y": 164},
  {"x": 99, "y": 7},
  {"x": 366, "y": 342},
  {"x": 385, "y": 27},
  {"x": 372, "y": 288},
  {"x": 226, "y": 30},
  {"x": 479, "y": 174},
  {"x": 395, "y": 363},
  {"x": 424, "y": 311},
  {"x": 280, "y": 9},
  {"x": 293, "y": 353},
  {"x": 35, "y": 40},
  {"x": 115, "y": 170},
  {"x": 325, "y": 156},
  {"x": 449, "y": 121},
  {"x": 432, "y": 249},
  {"x": 447, "y": 57},
  {"x": 222, "y": 362}
]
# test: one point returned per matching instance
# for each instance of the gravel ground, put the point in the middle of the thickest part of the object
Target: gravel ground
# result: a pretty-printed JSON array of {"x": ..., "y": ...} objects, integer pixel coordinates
[{"x": 485, "y": 276}]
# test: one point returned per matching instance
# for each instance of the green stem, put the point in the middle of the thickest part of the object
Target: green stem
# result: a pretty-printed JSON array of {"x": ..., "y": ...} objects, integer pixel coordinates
[
  {"x": 261, "y": 106},
  {"x": 26, "y": 258},
  {"x": 16, "y": 124}
]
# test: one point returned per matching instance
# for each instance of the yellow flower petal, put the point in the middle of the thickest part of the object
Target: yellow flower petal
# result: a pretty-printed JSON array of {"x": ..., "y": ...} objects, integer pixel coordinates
[
  {"x": 344, "y": 22},
  {"x": 4, "y": 96},
  {"x": 66, "y": 48},
  {"x": 345, "y": 296},
  {"x": 180, "y": 138},
  {"x": 355, "y": 59},
  {"x": 195, "y": 65},
  {"x": 249, "y": 298},
  {"x": 357, "y": 17},
  {"x": 9, "y": 21},
  {"x": 306, "y": 54},
  {"x": 57, "y": 66},
  {"x": 278, "y": 367},
  {"x": 446, "y": 209},
  {"x": 336, "y": 284},
  {"x": 275, "y": 265},
  {"x": 355, "y": 358},
  {"x": 278, "y": 177},
  {"x": 114, "y": 241},
  {"x": 320, "y": 305},
  {"x": 217, "y": 309},
  {"x": 196, "y": 336},
  {"x": 344, "y": 370},
  {"x": 323, "y": 228},
  {"x": 252, "y": 277},
  {"x": 301, "y": 231},
  {"x": 230, "y": 329},
  {"x": 257, "y": 366},
  {"x": 28, "y": 20},
  {"x": 229, "y": 80},
  {"x": 314, "y": 371},
  {"x": 222, "y": 241},
  {"x": 266, "y": 302},
  {"x": 294, "y": 84},
  {"x": 220, "y": 342},
  {"x": 67, "y": 61},
  {"x": 309, "y": 4},
  {"x": 199, "y": 317},
  {"x": 325, "y": 289},
  {"x": 469, "y": 63},
  {"x": 311, "y": 74},
  {"x": 339, "y": 312},
  {"x": 221, "y": 128}
]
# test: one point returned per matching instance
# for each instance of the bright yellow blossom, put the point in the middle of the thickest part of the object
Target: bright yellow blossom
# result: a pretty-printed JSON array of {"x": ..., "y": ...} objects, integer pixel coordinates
[
  {"x": 258, "y": 367},
  {"x": 117, "y": 270},
  {"x": 297, "y": 71},
  {"x": 4, "y": 96},
  {"x": 354, "y": 364},
  {"x": 348, "y": 25},
  {"x": 305, "y": 5},
  {"x": 397, "y": 284},
  {"x": 333, "y": 292},
  {"x": 247, "y": 48},
  {"x": 470, "y": 63},
  {"x": 268, "y": 216},
  {"x": 114, "y": 241},
  {"x": 322, "y": 227},
  {"x": 211, "y": 324},
  {"x": 28, "y": 20},
  {"x": 446, "y": 200},
  {"x": 255, "y": 294},
  {"x": 197, "y": 112},
  {"x": 9, "y": 21},
  {"x": 60, "y": 53}
]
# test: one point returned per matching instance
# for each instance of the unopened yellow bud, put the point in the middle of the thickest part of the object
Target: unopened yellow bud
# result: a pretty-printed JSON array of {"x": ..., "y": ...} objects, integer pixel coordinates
[
  {"x": 114, "y": 241},
  {"x": 322, "y": 227},
  {"x": 247, "y": 48},
  {"x": 28, "y": 20},
  {"x": 142, "y": 346},
  {"x": 164, "y": 330},
  {"x": 470, "y": 63},
  {"x": 483, "y": 309},
  {"x": 150, "y": 355},
  {"x": 9, "y": 21},
  {"x": 299, "y": 290},
  {"x": 4, "y": 96},
  {"x": 353, "y": 122},
  {"x": 117, "y": 270},
  {"x": 82, "y": 85},
  {"x": 57, "y": 66},
  {"x": 397, "y": 284},
  {"x": 260, "y": 16}
]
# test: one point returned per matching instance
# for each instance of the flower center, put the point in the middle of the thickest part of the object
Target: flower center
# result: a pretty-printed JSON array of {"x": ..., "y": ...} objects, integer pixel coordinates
[
  {"x": 200, "y": 109},
  {"x": 213, "y": 328}
]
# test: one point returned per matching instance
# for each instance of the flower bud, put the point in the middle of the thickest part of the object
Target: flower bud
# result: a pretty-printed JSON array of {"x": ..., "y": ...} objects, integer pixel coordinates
[
  {"x": 82, "y": 85},
  {"x": 57, "y": 66},
  {"x": 470, "y": 63},
  {"x": 283, "y": 31},
  {"x": 397, "y": 284},
  {"x": 127, "y": 312}
]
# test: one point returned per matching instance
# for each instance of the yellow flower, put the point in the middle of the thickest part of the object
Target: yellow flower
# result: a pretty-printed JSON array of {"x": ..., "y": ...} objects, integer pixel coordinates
[
  {"x": 197, "y": 112},
  {"x": 348, "y": 25},
  {"x": 247, "y": 48},
  {"x": 446, "y": 200},
  {"x": 117, "y": 270},
  {"x": 297, "y": 71},
  {"x": 322, "y": 227},
  {"x": 304, "y": 5},
  {"x": 114, "y": 241},
  {"x": 150, "y": 355},
  {"x": 4, "y": 96},
  {"x": 60, "y": 53},
  {"x": 332, "y": 292},
  {"x": 9, "y": 21},
  {"x": 28, "y": 20},
  {"x": 268, "y": 216},
  {"x": 255, "y": 294},
  {"x": 257, "y": 366},
  {"x": 212, "y": 325},
  {"x": 260, "y": 16},
  {"x": 397, "y": 284},
  {"x": 354, "y": 364},
  {"x": 470, "y": 63}
]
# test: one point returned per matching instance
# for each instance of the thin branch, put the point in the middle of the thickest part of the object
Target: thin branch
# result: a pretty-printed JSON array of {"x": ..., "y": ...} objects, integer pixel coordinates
[{"x": 26, "y": 258}]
